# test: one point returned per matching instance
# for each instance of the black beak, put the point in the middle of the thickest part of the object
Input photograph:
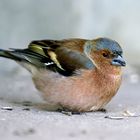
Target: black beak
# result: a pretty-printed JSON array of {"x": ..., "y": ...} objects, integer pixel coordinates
[{"x": 118, "y": 61}]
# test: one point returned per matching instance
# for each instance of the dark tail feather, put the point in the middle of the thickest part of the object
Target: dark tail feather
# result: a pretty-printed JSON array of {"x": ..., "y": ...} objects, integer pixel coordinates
[
  {"x": 24, "y": 55},
  {"x": 6, "y": 54}
]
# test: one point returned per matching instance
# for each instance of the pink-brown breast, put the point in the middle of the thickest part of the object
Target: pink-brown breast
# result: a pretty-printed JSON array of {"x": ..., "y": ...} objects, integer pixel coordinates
[{"x": 87, "y": 91}]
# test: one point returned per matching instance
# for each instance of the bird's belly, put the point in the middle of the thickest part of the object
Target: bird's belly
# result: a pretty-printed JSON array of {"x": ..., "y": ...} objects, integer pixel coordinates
[
  {"x": 76, "y": 94},
  {"x": 70, "y": 94}
]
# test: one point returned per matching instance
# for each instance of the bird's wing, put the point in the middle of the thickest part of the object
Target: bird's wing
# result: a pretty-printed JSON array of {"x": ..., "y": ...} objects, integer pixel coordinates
[
  {"x": 63, "y": 56},
  {"x": 67, "y": 55}
]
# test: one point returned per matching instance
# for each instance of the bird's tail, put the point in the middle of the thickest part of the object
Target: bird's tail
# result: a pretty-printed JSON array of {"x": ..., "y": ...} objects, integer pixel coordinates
[
  {"x": 4, "y": 53},
  {"x": 24, "y": 55}
]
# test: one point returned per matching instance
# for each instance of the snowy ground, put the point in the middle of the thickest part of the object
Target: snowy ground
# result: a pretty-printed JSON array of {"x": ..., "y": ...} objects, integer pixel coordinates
[{"x": 25, "y": 120}]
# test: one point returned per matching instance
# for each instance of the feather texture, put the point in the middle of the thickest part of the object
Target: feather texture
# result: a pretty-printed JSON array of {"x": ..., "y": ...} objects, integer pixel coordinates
[
  {"x": 76, "y": 74},
  {"x": 64, "y": 57}
]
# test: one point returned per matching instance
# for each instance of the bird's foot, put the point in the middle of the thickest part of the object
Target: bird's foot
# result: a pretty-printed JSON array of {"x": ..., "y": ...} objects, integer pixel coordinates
[
  {"x": 68, "y": 112},
  {"x": 102, "y": 110}
]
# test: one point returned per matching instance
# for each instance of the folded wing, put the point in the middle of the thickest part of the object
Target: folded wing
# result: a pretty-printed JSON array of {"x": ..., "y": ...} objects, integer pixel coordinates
[{"x": 64, "y": 56}]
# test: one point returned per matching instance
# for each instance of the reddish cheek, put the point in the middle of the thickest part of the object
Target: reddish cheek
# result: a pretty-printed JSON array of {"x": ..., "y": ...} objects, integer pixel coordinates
[{"x": 100, "y": 61}]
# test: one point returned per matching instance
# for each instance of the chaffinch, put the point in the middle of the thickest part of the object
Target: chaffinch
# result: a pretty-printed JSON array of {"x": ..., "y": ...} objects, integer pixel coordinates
[{"x": 75, "y": 74}]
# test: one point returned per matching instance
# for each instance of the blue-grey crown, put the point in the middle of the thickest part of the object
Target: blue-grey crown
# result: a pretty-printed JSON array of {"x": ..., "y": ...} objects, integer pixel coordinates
[{"x": 111, "y": 45}]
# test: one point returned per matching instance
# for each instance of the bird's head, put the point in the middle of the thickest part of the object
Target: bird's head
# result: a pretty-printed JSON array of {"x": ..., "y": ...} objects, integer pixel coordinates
[{"x": 107, "y": 55}]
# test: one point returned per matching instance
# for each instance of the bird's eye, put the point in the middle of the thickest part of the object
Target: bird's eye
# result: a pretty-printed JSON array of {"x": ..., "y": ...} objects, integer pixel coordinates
[{"x": 105, "y": 55}]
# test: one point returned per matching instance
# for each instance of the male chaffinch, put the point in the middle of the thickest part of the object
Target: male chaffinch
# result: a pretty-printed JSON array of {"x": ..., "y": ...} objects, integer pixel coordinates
[{"x": 75, "y": 74}]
